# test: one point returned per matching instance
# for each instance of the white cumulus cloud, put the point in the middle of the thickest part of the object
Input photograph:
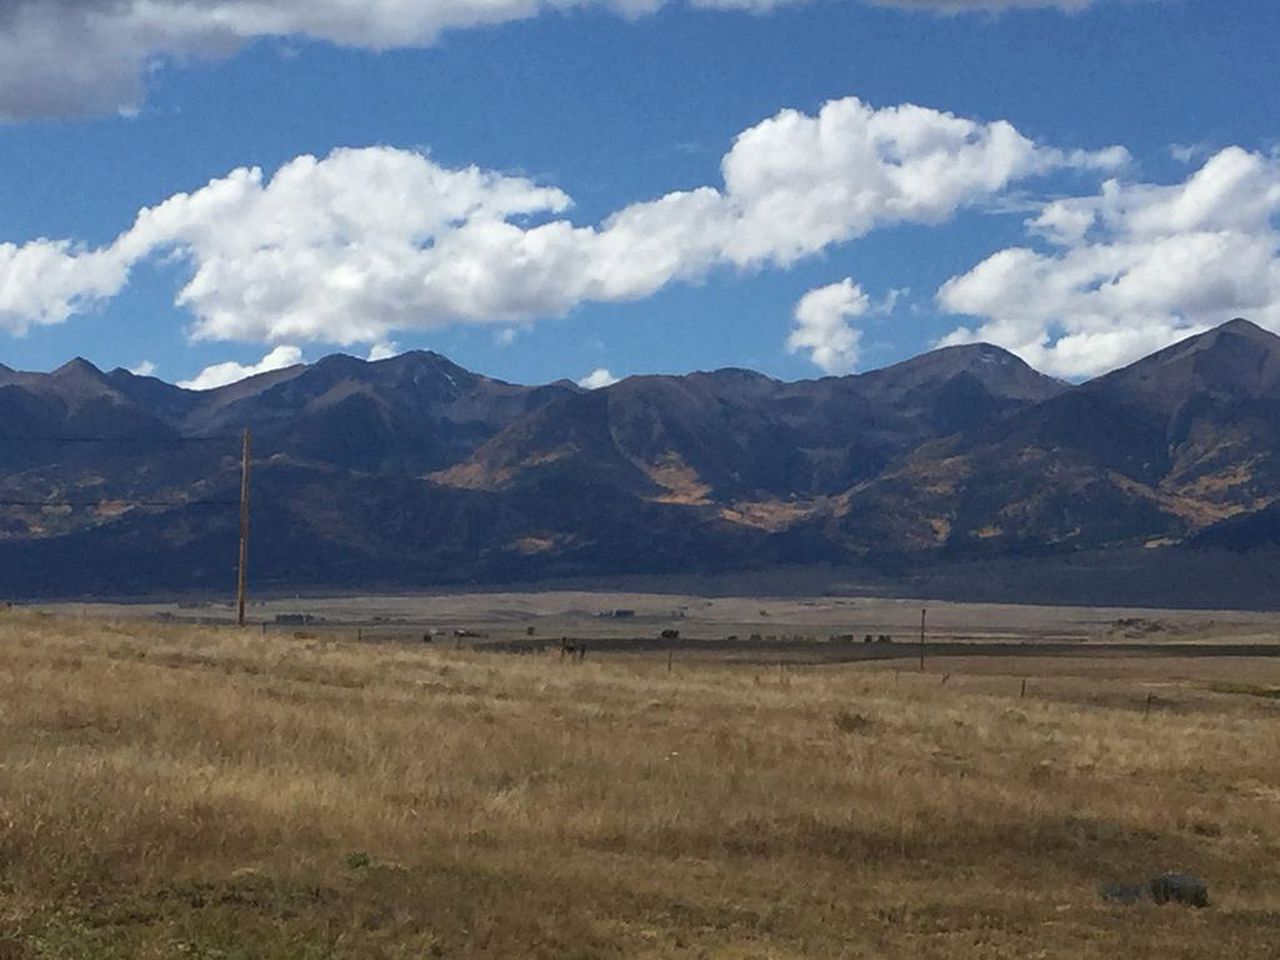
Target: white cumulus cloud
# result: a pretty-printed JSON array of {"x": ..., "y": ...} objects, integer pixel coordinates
[
  {"x": 383, "y": 351},
  {"x": 823, "y": 329},
  {"x": 352, "y": 247},
  {"x": 221, "y": 374},
  {"x": 46, "y": 281},
  {"x": 144, "y": 369},
  {"x": 1132, "y": 269},
  {"x": 597, "y": 379}
]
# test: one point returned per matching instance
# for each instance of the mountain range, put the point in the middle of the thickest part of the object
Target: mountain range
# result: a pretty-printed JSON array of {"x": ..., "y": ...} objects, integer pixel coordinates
[{"x": 413, "y": 472}]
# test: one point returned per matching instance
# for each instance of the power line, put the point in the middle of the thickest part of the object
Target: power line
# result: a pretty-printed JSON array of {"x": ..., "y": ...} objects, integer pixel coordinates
[
  {"x": 119, "y": 502},
  {"x": 152, "y": 440},
  {"x": 125, "y": 503}
]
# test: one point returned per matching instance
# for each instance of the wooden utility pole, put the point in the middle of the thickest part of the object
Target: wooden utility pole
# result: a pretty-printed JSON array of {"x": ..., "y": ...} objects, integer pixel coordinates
[
  {"x": 242, "y": 578},
  {"x": 922, "y": 616}
]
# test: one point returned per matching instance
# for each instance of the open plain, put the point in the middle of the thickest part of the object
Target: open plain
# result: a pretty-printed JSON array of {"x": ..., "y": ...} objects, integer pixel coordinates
[{"x": 338, "y": 788}]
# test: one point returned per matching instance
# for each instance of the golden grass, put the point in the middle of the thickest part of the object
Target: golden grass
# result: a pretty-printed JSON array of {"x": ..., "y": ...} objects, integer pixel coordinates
[
  {"x": 680, "y": 481},
  {"x": 170, "y": 791},
  {"x": 774, "y": 516}
]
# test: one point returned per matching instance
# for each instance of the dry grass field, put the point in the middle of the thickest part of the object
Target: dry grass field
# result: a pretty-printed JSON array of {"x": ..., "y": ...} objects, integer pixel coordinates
[{"x": 172, "y": 791}]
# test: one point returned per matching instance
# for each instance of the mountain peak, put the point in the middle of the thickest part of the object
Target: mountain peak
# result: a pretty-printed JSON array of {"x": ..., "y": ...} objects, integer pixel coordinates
[
  {"x": 1236, "y": 359},
  {"x": 334, "y": 360},
  {"x": 418, "y": 356},
  {"x": 77, "y": 367},
  {"x": 1244, "y": 327},
  {"x": 1233, "y": 335},
  {"x": 740, "y": 374},
  {"x": 1000, "y": 372},
  {"x": 81, "y": 378},
  {"x": 982, "y": 358},
  {"x": 426, "y": 369}
]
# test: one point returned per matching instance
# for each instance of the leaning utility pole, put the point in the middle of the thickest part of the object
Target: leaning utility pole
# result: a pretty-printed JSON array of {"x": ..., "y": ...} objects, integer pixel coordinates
[{"x": 244, "y": 527}]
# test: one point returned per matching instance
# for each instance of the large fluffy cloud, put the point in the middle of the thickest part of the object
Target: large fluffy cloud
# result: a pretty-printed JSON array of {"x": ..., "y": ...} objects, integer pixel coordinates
[
  {"x": 350, "y": 248},
  {"x": 1132, "y": 269},
  {"x": 61, "y": 57}
]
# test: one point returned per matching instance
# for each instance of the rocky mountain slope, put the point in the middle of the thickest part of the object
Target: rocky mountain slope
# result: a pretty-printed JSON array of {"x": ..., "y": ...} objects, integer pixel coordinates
[
  {"x": 1148, "y": 454},
  {"x": 414, "y": 471}
]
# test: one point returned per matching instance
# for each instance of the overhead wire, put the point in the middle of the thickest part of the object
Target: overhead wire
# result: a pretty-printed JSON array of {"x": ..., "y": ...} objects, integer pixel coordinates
[
  {"x": 109, "y": 502},
  {"x": 152, "y": 440},
  {"x": 119, "y": 502}
]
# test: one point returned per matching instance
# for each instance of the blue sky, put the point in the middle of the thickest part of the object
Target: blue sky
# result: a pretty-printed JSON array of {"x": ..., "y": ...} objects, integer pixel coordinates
[{"x": 855, "y": 233}]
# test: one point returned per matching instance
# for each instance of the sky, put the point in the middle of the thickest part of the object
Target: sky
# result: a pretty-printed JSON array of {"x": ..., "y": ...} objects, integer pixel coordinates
[{"x": 202, "y": 189}]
